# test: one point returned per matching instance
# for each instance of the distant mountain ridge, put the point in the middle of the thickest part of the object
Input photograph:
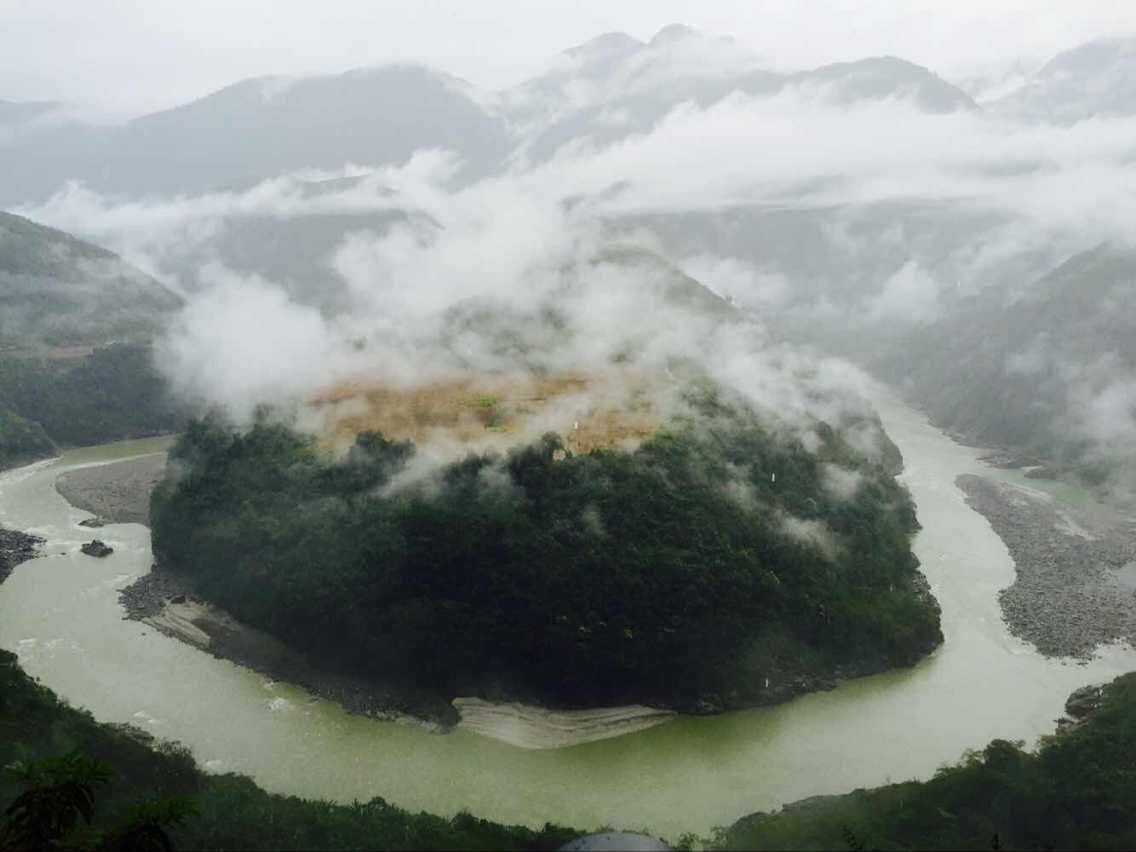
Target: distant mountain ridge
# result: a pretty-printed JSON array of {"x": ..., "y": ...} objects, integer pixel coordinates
[
  {"x": 605, "y": 89},
  {"x": 1097, "y": 78},
  {"x": 262, "y": 127},
  {"x": 614, "y": 86},
  {"x": 17, "y": 112},
  {"x": 1048, "y": 372}
]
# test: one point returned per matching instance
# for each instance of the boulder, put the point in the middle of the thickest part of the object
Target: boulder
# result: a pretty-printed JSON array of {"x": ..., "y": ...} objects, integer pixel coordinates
[
  {"x": 97, "y": 549},
  {"x": 1083, "y": 701}
]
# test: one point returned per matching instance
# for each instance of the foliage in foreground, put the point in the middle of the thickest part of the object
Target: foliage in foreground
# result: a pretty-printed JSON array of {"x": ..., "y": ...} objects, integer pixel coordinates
[
  {"x": 1077, "y": 791},
  {"x": 231, "y": 811},
  {"x": 56, "y": 810}
]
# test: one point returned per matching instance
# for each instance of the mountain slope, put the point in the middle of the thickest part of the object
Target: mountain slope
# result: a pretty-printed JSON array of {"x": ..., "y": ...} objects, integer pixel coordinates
[
  {"x": 1095, "y": 79},
  {"x": 260, "y": 128},
  {"x": 615, "y": 86},
  {"x": 565, "y": 508},
  {"x": 13, "y": 113},
  {"x": 1049, "y": 370},
  {"x": 59, "y": 290},
  {"x": 75, "y": 326}
]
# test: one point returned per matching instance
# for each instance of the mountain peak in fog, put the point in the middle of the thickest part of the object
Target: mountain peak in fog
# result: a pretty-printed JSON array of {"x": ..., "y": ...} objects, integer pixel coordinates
[
  {"x": 672, "y": 33},
  {"x": 1092, "y": 57},
  {"x": 17, "y": 112},
  {"x": 606, "y": 44},
  {"x": 887, "y": 76},
  {"x": 1095, "y": 78}
]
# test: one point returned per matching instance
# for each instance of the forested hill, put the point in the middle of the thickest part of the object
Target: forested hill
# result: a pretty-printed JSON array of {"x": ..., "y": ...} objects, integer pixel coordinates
[
  {"x": 1046, "y": 371},
  {"x": 56, "y": 290},
  {"x": 1077, "y": 791},
  {"x": 75, "y": 326},
  {"x": 718, "y": 564}
]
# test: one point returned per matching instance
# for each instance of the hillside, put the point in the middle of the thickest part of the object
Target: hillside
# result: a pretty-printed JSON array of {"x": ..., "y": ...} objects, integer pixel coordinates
[
  {"x": 570, "y": 579},
  {"x": 1045, "y": 369},
  {"x": 75, "y": 327},
  {"x": 614, "y": 86},
  {"x": 1074, "y": 792},
  {"x": 15, "y": 113},
  {"x": 59, "y": 291},
  {"x": 1097, "y": 78},
  {"x": 260, "y": 128}
]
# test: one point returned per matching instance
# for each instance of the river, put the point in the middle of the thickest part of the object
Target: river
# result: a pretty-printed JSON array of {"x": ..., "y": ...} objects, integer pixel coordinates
[{"x": 61, "y": 615}]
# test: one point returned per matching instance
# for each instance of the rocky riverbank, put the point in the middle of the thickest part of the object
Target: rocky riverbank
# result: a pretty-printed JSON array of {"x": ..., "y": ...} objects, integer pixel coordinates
[
  {"x": 166, "y": 601},
  {"x": 16, "y": 547},
  {"x": 1076, "y": 569}
]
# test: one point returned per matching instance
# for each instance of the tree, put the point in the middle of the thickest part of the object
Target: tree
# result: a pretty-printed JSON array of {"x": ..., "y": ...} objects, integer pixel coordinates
[{"x": 56, "y": 810}]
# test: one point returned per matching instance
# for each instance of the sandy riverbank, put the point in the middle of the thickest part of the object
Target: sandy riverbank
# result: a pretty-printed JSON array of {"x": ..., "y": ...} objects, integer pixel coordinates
[
  {"x": 1076, "y": 568},
  {"x": 116, "y": 493},
  {"x": 536, "y": 727}
]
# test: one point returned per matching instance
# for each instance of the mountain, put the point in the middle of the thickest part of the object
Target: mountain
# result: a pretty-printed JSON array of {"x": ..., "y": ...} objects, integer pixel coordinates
[
  {"x": 1095, "y": 79},
  {"x": 1044, "y": 369},
  {"x": 13, "y": 113},
  {"x": 848, "y": 277},
  {"x": 590, "y": 447},
  {"x": 261, "y": 128},
  {"x": 880, "y": 77},
  {"x": 605, "y": 89},
  {"x": 75, "y": 326},
  {"x": 56, "y": 290},
  {"x": 614, "y": 86}
]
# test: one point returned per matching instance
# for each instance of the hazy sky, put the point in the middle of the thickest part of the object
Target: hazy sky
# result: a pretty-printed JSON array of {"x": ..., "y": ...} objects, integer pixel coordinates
[{"x": 128, "y": 56}]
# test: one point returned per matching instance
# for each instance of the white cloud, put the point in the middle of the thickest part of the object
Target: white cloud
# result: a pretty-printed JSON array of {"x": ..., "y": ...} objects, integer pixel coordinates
[{"x": 910, "y": 296}]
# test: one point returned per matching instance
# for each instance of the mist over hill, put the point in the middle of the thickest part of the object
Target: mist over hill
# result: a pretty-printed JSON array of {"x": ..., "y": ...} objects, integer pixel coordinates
[
  {"x": 598, "y": 422},
  {"x": 260, "y": 128},
  {"x": 614, "y": 87},
  {"x": 847, "y": 206},
  {"x": 559, "y": 393},
  {"x": 15, "y": 113},
  {"x": 59, "y": 290},
  {"x": 1047, "y": 369},
  {"x": 1096, "y": 79},
  {"x": 76, "y": 323}
]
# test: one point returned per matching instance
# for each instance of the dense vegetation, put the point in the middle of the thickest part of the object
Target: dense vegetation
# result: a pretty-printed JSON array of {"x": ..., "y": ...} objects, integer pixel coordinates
[
  {"x": 114, "y": 393},
  {"x": 1078, "y": 791},
  {"x": 231, "y": 811},
  {"x": 21, "y": 440},
  {"x": 677, "y": 574}
]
